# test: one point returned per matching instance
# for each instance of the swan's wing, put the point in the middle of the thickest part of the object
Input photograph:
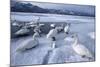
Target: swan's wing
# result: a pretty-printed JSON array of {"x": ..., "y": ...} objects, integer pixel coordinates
[
  {"x": 22, "y": 46},
  {"x": 82, "y": 50},
  {"x": 32, "y": 43},
  {"x": 66, "y": 28},
  {"x": 49, "y": 34},
  {"x": 52, "y": 32},
  {"x": 27, "y": 44}
]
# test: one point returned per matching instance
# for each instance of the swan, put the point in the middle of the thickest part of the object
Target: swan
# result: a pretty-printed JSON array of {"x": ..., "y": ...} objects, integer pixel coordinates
[
  {"x": 80, "y": 49},
  {"x": 66, "y": 28},
  {"x": 52, "y": 34},
  {"x": 28, "y": 44}
]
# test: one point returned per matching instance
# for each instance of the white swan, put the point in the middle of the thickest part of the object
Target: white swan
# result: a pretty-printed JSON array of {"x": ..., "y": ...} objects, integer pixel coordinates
[
  {"x": 28, "y": 44},
  {"x": 52, "y": 34},
  {"x": 66, "y": 28},
  {"x": 80, "y": 49}
]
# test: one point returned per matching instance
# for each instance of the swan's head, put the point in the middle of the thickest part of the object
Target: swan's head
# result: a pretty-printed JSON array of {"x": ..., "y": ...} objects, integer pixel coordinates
[{"x": 53, "y": 25}]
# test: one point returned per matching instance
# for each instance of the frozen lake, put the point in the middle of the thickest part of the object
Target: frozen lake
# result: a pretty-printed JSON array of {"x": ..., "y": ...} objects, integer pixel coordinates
[{"x": 63, "y": 53}]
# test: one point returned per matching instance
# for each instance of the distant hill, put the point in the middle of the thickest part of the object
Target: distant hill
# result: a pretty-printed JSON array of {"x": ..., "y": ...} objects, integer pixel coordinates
[{"x": 28, "y": 7}]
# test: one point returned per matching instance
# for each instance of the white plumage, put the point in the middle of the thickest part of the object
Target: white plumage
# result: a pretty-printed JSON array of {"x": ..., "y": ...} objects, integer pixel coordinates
[
  {"x": 81, "y": 49},
  {"x": 66, "y": 28},
  {"x": 52, "y": 33},
  {"x": 28, "y": 44}
]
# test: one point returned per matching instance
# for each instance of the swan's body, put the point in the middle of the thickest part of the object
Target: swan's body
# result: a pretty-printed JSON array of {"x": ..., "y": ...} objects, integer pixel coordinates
[
  {"x": 66, "y": 28},
  {"x": 52, "y": 33},
  {"x": 80, "y": 49},
  {"x": 28, "y": 44}
]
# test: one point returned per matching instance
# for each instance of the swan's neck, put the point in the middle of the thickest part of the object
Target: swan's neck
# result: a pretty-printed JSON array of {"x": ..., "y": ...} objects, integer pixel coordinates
[
  {"x": 34, "y": 38},
  {"x": 75, "y": 41},
  {"x": 53, "y": 44}
]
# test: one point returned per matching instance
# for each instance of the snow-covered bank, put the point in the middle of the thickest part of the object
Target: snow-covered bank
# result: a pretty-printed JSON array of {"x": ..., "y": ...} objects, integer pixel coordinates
[{"x": 63, "y": 52}]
